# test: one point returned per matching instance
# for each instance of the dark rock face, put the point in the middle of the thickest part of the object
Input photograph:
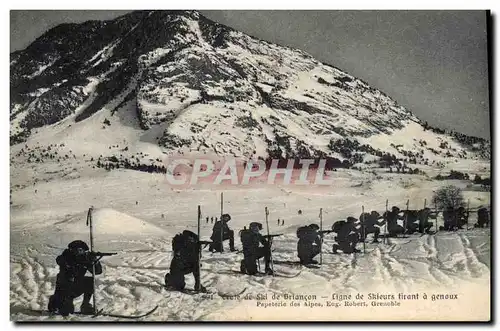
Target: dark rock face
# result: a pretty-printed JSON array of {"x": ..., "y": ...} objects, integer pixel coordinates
[{"x": 64, "y": 57}]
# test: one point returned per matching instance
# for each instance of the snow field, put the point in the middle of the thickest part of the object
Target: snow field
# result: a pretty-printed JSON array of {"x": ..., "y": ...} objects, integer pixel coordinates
[{"x": 42, "y": 224}]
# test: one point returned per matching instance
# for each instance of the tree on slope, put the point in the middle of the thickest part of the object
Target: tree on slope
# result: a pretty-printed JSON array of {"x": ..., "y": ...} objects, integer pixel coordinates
[{"x": 448, "y": 197}]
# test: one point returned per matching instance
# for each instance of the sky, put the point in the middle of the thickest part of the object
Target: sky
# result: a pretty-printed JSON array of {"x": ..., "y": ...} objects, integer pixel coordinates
[{"x": 434, "y": 63}]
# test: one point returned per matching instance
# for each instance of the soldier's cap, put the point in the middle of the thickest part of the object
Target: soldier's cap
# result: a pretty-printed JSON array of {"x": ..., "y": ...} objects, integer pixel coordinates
[
  {"x": 351, "y": 219},
  {"x": 314, "y": 226},
  {"x": 225, "y": 217},
  {"x": 78, "y": 244},
  {"x": 394, "y": 208},
  {"x": 190, "y": 234},
  {"x": 375, "y": 213},
  {"x": 254, "y": 225}
]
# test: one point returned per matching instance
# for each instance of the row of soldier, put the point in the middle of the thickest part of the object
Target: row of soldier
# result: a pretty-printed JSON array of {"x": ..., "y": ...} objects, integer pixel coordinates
[
  {"x": 77, "y": 259},
  {"x": 349, "y": 233},
  {"x": 353, "y": 230},
  {"x": 186, "y": 249}
]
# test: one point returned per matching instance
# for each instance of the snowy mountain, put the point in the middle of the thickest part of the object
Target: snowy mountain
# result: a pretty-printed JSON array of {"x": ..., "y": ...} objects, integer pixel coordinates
[{"x": 175, "y": 81}]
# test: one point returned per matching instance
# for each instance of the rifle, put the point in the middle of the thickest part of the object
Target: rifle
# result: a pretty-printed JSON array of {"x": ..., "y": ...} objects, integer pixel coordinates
[
  {"x": 325, "y": 231},
  {"x": 204, "y": 243},
  {"x": 95, "y": 257},
  {"x": 101, "y": 254},
  {"x": 272, "y": 235}
]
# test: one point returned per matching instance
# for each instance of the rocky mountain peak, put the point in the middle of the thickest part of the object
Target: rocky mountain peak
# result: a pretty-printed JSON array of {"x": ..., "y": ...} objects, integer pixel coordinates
[{"x": 188, "y": 83}]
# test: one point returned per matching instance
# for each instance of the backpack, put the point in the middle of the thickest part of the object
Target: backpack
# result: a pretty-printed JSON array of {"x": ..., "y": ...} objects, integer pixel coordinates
[
  {"x": 248, "y": 240},
  {"x": 302, "y": 232},
  {"x": 337, "y": 226},
  {"x": 178, "y": 243},
  {"x": 184, "y": 241}
]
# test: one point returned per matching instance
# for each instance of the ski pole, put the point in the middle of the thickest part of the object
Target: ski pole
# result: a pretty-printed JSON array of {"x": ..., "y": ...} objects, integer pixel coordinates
[
  {"x": 321, "y": 236},
  {"x": 406, "y": 218},
  {"x": 199, "y": 221},
  {"x": 386, "y": 219},
  {"x": 363, "y": 229},
  {"x": 426, "y": 217},
  {"x": 221, "y": 223},
  {"x": 199, "y": 247},
  {"x": 89, "y": 223},
  {"x": 270, "y": 241},
  {"x": 436, "y": 209},
  {"x": 468, "y": 212}
]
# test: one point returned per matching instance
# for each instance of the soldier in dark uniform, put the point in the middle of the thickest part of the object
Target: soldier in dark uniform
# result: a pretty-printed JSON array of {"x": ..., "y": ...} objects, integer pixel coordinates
[
  {"x": 462, "y": 215},
  {"x": 348, "y": 235},
  {"x": 483, "y": 218},
  {"x": 449, "y": 217},
  {"x": 424, "y": 226},
  {"x": 71, "y": 281},
  {"x": 309, "y": 244},
  {"x": 220, "y": 233},
  {"x": 185, "y": 260},
  {"x": 371, "y": 220},
  {"x": 252, "y": 240},
  {"x": 411, "y": 219},
  {"x": 392, "y": 217}
]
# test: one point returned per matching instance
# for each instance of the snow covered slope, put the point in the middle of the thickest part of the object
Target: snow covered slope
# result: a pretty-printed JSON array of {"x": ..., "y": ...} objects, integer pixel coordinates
[
  {"x": 43, "y": 223},
  {"x": 456, "y": 263}
]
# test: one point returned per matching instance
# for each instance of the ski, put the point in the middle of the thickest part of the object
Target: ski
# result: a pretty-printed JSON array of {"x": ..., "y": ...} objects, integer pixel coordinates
[
  {"x": 99, "y": 313},
  {"x": 311, "y": 266},
  {"x": 240, "y": 251},
  {"x": 128, "y": 316},
  {"x": 193, "y": 292},
  {"x": 187, "y": 291},
  {"x": 287, "y": 276},
  {"x": 48, "y": 313},
  {"x": 297, "y": 263},
  {"x": 342, "y": 253},
  {"x": 261, "y": 274},
  {"x": 226, "y": 295}
]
